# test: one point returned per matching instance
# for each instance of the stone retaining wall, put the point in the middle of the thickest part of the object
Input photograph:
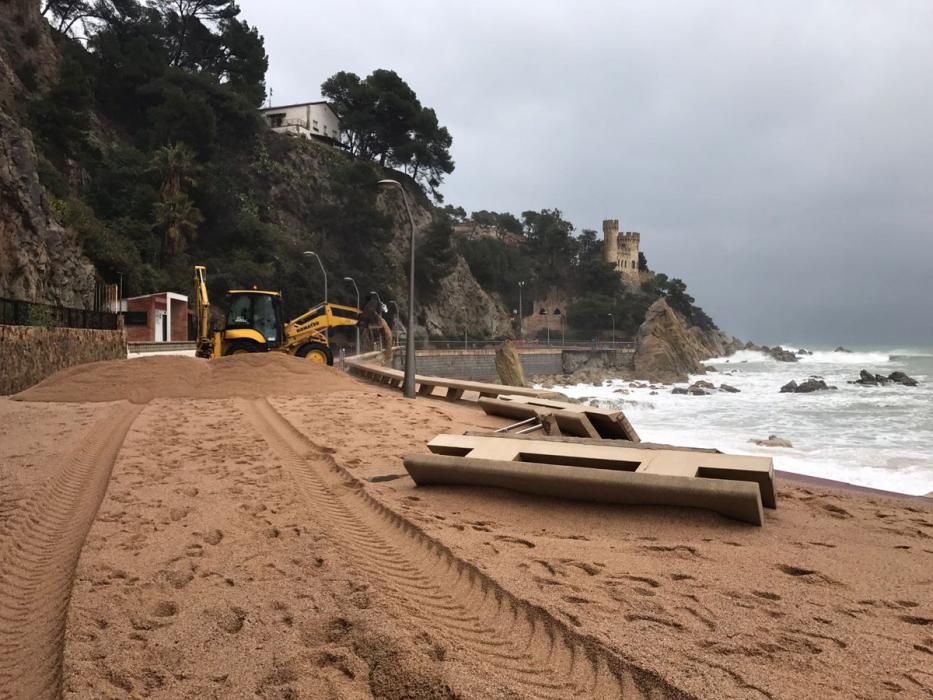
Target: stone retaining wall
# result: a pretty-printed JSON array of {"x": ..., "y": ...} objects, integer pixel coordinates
[
  {"x": 480, "y": 365},
  {"x": 598, "y": 359},
  {"x": 29, "y": 354}
]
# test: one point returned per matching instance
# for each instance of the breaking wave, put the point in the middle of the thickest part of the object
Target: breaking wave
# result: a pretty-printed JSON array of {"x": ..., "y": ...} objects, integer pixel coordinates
[{"x": 881, "y": 437}]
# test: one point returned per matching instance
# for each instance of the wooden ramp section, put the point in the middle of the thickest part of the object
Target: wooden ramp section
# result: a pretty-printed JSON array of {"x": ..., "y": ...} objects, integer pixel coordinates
[
  {"x": 453, "y": 388},
  {"x": 571, "y": 418},
  {"x": 601, "y": 472}
]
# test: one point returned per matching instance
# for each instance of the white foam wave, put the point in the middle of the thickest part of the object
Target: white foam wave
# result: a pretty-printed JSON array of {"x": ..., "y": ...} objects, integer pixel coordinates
[
  {"x": 819, "y": 357},
  {"x": 846, "y": 358},
  {"x": 881, "y": 437}
]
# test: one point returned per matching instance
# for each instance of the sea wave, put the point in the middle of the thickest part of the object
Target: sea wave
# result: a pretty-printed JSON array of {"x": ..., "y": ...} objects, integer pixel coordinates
[
  {"x": 880, "y": 437},
  {"x": 846, "y": 358},
  {"x": 819, "y": 357},
  {"x": 838, "y": 357}
]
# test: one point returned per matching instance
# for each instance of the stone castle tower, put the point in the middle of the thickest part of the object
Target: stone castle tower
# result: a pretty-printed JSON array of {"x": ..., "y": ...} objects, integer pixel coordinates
[{"x": 621, "y": 249}]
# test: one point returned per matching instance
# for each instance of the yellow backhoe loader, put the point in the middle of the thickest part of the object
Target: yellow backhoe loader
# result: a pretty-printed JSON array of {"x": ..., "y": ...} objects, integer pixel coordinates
[{"x": 254, "y": 323}]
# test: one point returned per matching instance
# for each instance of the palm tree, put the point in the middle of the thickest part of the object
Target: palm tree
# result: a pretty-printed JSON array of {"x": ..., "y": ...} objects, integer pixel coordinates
[
  {"x": 178, "y": 218},
  {"x": 176, "y": 167},
  {"x": 175, "y": 212}
]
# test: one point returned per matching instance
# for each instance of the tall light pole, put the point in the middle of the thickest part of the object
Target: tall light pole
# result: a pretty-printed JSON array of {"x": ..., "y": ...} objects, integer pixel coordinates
[
  {"x": 613, "y": 329},
  {"x": 357, "y": 289},
  {"x": 312, "y": 254},
  {"x": 521, "y": 286},
  {"x": 408, "y": 386}
]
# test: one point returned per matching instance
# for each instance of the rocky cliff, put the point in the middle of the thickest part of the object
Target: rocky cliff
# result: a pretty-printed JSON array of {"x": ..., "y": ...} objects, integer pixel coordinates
[
  {"x": 307, "y": 179},
  {"x": 39, "y": 260},
  {"x": 462, "y": 304},
  {"x": 667, "y": 350}
]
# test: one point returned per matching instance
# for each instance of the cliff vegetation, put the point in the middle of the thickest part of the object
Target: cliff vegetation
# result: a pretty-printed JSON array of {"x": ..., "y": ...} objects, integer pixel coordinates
[{"x": 138, "y": 150}]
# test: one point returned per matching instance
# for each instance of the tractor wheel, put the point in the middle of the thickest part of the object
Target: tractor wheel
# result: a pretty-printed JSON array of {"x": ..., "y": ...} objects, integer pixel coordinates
[
  {"x": 315, "y": 352},
  {"x": 241, "y": 347}
]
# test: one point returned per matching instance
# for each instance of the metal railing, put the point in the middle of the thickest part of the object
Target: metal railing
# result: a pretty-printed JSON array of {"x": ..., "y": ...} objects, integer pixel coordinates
[
  {"x": 14, "y": 312},
  {"x": 467, "y": 343}
]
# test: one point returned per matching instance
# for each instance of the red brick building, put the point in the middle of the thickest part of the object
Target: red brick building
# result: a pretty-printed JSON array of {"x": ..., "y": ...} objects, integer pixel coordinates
[{"x": 158, "y": 317}]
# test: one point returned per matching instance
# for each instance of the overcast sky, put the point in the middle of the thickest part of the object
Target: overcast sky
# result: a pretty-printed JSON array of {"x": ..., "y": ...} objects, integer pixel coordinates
[{"x": 776, "y": 156}]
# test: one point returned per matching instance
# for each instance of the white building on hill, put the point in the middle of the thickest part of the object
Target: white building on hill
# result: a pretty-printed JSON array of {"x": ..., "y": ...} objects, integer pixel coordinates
[{"x": 307, "y": 120}]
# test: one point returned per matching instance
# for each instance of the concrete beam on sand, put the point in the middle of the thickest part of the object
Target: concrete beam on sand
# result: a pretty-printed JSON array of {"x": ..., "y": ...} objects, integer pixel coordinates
[
  {"x": 739, "y": 500},
  {"x": 455, "y": 388},
  {"x": 661, "y": 461},
  {"x": 574, "y": 440},
  {"x": 608, "y": 423}
]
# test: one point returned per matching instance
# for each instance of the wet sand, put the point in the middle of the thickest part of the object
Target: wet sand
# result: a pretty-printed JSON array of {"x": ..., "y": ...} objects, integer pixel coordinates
[{"x": 263, "y": 540}]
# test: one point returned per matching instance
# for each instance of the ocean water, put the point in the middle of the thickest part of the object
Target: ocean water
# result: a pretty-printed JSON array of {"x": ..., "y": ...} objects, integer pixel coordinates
[{"x": 880, "y": 437}]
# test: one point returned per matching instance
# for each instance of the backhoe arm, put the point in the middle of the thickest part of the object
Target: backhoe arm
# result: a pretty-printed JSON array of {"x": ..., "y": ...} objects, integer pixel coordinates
[{"x": 202, "y": 313}]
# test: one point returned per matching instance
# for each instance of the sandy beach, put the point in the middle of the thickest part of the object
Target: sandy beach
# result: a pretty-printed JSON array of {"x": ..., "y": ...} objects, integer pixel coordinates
[{"x": 176, "y": 528}]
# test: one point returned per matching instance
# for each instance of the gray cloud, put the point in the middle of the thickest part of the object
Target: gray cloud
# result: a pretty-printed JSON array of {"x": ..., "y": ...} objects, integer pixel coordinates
[{"x": 776, "y": 156}]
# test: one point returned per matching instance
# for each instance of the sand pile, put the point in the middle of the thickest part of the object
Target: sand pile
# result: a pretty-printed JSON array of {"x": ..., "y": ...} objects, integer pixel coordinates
[{"x": 143, "y": 379}]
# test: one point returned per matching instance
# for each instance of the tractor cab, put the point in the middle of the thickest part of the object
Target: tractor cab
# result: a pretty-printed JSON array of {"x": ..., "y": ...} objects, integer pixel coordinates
[{"x": 254, "y": 321}]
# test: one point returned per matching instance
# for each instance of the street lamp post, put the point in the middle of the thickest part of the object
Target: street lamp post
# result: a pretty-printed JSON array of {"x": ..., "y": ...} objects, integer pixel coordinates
[
  {"x": 521, "y": 285},
  {"x": 613, "y": 329},
  {"x": 408, "y": 386},
  {"x": 312, "y": 254},
  {"x": 357, "y": 290}
]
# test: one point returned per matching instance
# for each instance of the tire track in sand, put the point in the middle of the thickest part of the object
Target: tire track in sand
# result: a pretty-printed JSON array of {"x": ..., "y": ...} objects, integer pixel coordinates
[
  {"x": 531, "y": 651},
  {"x": 38, "y": 557}
]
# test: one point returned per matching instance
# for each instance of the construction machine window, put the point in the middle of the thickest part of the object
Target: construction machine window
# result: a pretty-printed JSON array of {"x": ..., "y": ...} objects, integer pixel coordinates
[{"x": 255, "y": 311}]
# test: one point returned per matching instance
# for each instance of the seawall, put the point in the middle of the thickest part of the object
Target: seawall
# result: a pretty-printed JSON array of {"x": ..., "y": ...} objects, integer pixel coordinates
[
  {"x": 29, "y": 354},
  {"x": 480, "y": 364}
]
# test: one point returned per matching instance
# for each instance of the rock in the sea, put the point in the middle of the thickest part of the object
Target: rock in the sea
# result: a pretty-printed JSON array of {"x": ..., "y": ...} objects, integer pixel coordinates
[
  {"x": 841, "y": 349},
  {"x": 509, "y": 365},
  {"x": 703, "y": 384},
  {"x": 772, "y": 441},
  {"x": 866, "y": 378},
  {"x": 679, "y": 390},
  {"x": 698, "y": 391},
  {"x": 729, "y": 389},
  {"x": 782, "y": 355},
  {"x": 805, "y": 387},
  {"x": 804, "y": 351},
  {"x": 811, "y": 385},
  {"x": 901, "y": 378}
]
